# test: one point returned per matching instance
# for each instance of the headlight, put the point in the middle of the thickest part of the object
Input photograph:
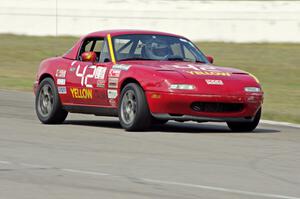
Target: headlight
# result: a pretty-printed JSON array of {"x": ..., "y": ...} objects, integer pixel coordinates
[
  {"x": 182, "y": 87},
  {"x": 252, "y": 89}
]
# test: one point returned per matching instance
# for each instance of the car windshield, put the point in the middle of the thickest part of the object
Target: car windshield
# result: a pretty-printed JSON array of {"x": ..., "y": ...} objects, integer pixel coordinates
[{"x": 156, "y": 47}]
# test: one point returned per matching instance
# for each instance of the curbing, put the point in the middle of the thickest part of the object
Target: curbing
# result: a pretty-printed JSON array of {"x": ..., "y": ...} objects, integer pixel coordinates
[{"x": 280, "y": 123}]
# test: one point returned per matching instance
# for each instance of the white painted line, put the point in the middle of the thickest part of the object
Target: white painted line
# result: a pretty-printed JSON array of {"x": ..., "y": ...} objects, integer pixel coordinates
[
  {"x": 280, "y": 123},
  {"x": 5, "y": 162},
  {"x": 86, "y": 172},
  {"x": 221, "y": 189},
  {"x": 212, "y": 188}
]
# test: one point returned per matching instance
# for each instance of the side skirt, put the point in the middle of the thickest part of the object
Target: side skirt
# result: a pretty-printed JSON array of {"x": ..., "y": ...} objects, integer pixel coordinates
[{"x": 99, "y": 111}]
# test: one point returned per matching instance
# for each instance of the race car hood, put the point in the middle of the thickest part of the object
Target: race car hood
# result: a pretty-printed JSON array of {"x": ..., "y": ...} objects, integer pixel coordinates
[
  {"x": 206, "y": 77},
  {"x": 199, "y": 70},
  {"x": 191, "y": 70}
]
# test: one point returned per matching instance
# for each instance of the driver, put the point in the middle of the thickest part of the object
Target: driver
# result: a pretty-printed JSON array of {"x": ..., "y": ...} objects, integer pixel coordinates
[{"x": 157, "y": 49}]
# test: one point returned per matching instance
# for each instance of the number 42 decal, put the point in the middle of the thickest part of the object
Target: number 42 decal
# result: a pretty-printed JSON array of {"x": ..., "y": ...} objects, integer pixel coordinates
[{"x": 97, "y": 73}]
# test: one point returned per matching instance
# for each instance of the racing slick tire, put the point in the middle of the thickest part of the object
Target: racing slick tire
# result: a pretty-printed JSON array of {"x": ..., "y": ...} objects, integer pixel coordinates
[
  {"x": 245, "y": 126},
  {"x": 133, "y": 108},
  {"x": 47, "y": 103}
]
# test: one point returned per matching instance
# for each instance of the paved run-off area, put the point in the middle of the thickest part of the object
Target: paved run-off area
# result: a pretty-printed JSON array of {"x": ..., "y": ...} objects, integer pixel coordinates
[{"x": 92, "y": 157}]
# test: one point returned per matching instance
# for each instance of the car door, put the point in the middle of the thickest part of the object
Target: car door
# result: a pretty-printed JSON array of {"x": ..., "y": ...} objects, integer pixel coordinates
[
  {"x": 89, "y": 79},
  {"x": 102, "y": 78}
]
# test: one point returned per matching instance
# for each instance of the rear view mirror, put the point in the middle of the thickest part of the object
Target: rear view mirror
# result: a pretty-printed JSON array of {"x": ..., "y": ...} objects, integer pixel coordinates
[
  {"x": 210, "y": 59},
  {"x": 89, "y": 56}
]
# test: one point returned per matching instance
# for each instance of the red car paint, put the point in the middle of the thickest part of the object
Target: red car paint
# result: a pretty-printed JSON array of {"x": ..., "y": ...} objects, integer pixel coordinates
[{"x": 78, "y": 86}]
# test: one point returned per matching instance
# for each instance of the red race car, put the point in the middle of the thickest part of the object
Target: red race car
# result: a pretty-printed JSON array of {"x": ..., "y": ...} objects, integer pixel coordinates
[{"x": 144, "y": 78}]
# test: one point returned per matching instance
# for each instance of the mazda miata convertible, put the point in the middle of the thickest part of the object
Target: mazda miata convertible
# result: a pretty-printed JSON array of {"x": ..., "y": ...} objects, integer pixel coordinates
[{"x": 145, "y": 78}]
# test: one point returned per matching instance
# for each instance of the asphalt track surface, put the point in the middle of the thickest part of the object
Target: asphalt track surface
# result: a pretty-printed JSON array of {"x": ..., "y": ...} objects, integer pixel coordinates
[{"x": 92, "y": 157}]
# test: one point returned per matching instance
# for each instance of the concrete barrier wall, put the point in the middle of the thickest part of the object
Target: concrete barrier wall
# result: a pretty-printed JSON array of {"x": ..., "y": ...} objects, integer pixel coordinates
[{"x": 236, "y": 21}]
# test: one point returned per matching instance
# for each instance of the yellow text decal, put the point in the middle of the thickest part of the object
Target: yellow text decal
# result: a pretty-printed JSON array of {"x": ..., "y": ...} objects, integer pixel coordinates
[
  {"x": 195, "y": 72},
  {"x": 82, "y": 93}
]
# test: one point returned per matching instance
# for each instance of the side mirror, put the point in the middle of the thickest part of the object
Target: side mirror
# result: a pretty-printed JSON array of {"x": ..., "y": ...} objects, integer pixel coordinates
[
  {"x": 210, "y": 59},
  {"x": 89, "y": 56}
]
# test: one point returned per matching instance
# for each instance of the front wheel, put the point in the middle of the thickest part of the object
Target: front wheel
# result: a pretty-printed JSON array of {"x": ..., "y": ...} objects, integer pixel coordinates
[
  {"x": 134, "y": 113},
  {"x": 47, "y": 103},
  {"x": 245, "y": 126}
]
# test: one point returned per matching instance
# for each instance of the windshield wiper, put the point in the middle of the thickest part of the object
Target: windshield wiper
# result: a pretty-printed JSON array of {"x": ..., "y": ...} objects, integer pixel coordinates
[
  {"x": 135, "y": 58},
  {"x": 180, "y": 59},
  {"x": 197, "y": 61},
  {"x": 184, "y": 59},
  {"x": 176, "y": 59}
]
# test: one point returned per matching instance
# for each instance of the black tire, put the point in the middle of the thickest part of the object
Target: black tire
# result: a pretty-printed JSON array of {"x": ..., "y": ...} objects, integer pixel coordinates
[
  {"x": 245, "y": 126},
  {"x": 133, "y": 108},
  {"x": 48, "y": 106}
]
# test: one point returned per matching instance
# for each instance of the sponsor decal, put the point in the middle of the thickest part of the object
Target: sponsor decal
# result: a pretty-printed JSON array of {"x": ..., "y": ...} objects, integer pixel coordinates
[
  {"x": 208, "y": 73},
  {"x": 81, "y": 93},
  {"x": 113, "y": 82},
  {"x": 113, "y": 102},
  {"x": 60, "y": 73},
  {"x": 196, "y": 69},
  {"x": 61, "y": 82},
  {"x": 114, "y": 73},
  {"x": 112, "y": 94},
  {"x": 62, "y": 90},
  {"x": 214, "y": 82},
  {"x": 100, "y": 72},
  {"x": 100, "y": 83},
  {"x": 121, "y": 66}
]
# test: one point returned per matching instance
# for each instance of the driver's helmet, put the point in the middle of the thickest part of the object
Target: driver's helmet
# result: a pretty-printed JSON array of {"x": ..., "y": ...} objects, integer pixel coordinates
[{"x": 157, "y": 49}]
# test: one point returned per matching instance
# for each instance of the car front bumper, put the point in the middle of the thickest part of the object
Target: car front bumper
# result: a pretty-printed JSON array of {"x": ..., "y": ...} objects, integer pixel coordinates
[{"x": 176, "y": 106}]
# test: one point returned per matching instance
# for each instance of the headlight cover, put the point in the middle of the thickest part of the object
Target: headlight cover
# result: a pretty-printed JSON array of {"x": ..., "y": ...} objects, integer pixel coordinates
[
  {"x": 252, "y": 89},
  {"x": 182, "y": 87}
]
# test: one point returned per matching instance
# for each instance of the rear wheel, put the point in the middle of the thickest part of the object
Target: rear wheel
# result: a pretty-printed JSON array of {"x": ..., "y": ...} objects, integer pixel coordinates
[
  {"x": 47, "y": 103},
  {"x": 245, "y": 126},
  {"x": 134, "y": 113}
]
